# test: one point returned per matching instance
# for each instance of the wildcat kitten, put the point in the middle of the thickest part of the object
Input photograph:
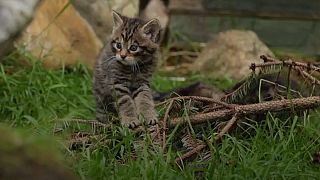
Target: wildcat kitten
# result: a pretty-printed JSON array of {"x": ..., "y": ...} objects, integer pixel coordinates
[{"x": 123, "y": 70}]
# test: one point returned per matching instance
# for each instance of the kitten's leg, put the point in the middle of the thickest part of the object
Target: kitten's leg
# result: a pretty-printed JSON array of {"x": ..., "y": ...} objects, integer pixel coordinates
[
  {"x": 127, "y": 108},
  {"x": 101, "y": 115},
  {"x": 104, "y": 107},
  {"x": 145, "y": 105},
  {"x": 98, "y": 91}
]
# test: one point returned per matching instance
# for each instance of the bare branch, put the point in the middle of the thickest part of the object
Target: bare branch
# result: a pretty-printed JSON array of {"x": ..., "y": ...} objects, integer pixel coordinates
[
  {"x": 217, "y": 138},
  {"x": 164, "y": 125},
  {"x": 90, "y": 122},
  {"x": 227, "y": 127},
  {"x": 198, "y": 98},
  {"x": 244, "y": 110},
  {"x": 273, "y": 61},
  {"x": 191, "y": 153},
  {"x": 312, "y": 79}
]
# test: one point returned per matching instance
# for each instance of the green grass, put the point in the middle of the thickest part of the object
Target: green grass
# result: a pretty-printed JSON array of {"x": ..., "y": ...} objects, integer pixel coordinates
[{"x": 37, "y": 100}]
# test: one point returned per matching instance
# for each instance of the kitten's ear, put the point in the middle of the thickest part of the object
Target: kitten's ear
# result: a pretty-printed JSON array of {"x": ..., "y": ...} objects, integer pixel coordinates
[
  {"x": 117, "y": 19},
  {"x": 151, "y": 29}
]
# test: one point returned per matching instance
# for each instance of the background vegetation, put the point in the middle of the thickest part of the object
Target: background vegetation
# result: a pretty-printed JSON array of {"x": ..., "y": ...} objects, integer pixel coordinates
[{"x": 41, "y": 102}]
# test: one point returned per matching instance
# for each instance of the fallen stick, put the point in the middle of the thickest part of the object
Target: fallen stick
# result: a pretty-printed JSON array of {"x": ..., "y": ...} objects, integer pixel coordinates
[
  {"x": 164, "y": 125},
  {"x": 197, "y": 98},
  {"x": 297, "y": 66},
  {"x": 312, "y": 79},
  {"x": 273, "y": 61},
  {"x": 217, "y": 138},
  {"x": 82, "y": 138},
  {"x": 244, "y": 110},
  {"x": 227, "y": 127},
  {"x": 191, "y": 153},
  {"x": 89, "y": 122}
]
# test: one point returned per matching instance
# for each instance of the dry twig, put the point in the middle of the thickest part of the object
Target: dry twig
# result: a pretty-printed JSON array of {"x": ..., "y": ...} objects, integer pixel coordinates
[
  {"x": 81, "y": 138},
  {"x": 272, "y": 61},
  {"x": 197, "y": 98},
  {"x": 190, "y": 154},
  {"x": 217, "y": 138},
  {"x": 90, "y": 122},
  {"x": 312, "y": 79},
  {"x": 244, "y": 110},
  {"x": 297, "y": 66},
  {"x": 164, "y": 125},
  {"x": 227, "y": 127}
]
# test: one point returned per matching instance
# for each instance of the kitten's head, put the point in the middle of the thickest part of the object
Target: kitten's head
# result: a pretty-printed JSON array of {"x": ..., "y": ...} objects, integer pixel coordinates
[{"x": 134, "y": 40}]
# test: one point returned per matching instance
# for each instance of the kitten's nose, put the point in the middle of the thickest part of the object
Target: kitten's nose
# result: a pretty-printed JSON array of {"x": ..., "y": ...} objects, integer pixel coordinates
[
  {"x": 123, "y": 53},
  {"x": 123, "y": 56}
]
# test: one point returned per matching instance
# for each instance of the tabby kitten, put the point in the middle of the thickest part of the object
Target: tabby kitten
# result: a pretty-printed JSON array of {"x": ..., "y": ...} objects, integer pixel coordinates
[{"x": 123, "y": 70}]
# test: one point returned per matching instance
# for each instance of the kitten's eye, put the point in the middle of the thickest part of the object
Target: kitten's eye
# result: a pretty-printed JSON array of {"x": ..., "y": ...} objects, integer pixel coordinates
[
  {"x": 118, "y": 45},
  {"x": 133, "y": 48}
]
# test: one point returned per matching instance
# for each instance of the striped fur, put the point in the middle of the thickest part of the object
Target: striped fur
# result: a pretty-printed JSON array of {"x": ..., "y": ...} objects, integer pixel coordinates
[{"x": 123, "y": 71}]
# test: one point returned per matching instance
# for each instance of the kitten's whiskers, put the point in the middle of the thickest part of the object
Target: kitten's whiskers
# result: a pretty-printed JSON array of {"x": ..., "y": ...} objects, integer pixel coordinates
[
  {"x": 132, "y": 68},
  {"x": 107, "y": 60},
  {"x": 138, "y": 67},
  {"x": 110, "y": 58}
]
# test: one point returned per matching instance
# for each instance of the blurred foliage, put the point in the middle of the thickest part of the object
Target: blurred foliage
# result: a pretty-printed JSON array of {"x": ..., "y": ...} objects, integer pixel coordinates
[{"x": 25, "y": 156}]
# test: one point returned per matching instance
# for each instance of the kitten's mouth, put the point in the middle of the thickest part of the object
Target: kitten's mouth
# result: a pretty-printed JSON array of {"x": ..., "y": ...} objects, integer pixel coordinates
[
  {"x": 128, "y": 62},
  {"x": 132, "y": 63}
]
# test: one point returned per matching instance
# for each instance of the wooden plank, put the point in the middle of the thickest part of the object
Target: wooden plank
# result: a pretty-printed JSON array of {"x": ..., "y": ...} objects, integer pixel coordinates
[{"x": 196, "y": 7}]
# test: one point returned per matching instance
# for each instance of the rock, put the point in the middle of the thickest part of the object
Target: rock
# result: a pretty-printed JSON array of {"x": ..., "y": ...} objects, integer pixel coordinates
[
  {"x": 98, "y": 13},
  {"x": 230, "y": 54},
  {"x": 59, "y": 36},
  {"x": 14, "y": 15}
]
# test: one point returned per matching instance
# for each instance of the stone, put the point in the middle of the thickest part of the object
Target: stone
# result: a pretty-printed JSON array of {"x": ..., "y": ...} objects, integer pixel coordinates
[
  {"x": 98, "y": 13},
  {"x": 230, "y": 55},
  {"x": 14, "y": 16},
  {"x": 59, "y": 36}
]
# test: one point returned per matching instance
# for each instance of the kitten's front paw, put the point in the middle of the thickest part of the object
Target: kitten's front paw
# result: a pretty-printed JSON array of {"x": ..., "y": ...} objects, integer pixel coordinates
[
  {"x": 130, "y": 122},
  {"x": 152, "y": 121},
  {"x": 101, "y": 117}
]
